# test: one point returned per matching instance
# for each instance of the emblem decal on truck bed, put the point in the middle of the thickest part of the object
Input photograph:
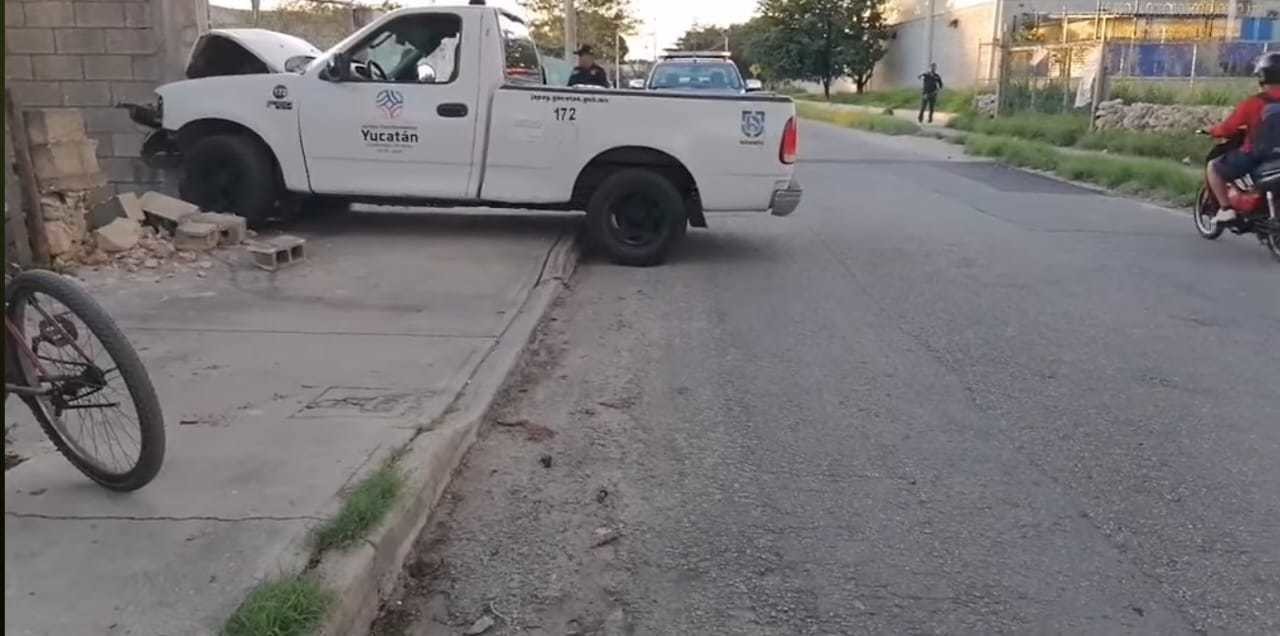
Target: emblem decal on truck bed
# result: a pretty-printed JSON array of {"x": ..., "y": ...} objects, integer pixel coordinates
[
  {"x": 752, "y": 123},
  {"x": 752, "y": 128},
  {"x": 390, "y": 102}
]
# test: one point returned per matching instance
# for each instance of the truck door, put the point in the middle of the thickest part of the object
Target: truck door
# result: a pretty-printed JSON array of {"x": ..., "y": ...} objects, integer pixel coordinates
[{"x": 402, "y": 122}]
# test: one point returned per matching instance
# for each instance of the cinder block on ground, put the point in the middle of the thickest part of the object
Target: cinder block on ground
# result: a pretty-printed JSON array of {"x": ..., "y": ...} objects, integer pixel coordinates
[
  {"x": 165, "y": 212},
  {"x": 278, "y": 252},
  {"x": 119, "y": 235},
  {"x": 232, "y": 229},
  {"x": 54, "y": 126},
  {"x": 121, "y": 206},
  {"x": 195, "y": 236}
]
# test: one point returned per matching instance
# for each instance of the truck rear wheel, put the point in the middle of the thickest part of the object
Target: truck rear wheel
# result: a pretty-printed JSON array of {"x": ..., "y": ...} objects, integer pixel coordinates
[
  {"x": 635, "y": 216},
  {"x": 231, "y": 173}
]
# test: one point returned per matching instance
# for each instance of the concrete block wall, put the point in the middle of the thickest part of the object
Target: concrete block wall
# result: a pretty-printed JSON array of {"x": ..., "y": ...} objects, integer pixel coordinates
[{"x": 91, "y": 55}]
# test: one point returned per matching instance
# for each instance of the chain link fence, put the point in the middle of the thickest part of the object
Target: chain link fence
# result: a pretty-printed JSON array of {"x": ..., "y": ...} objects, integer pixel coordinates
[{"x": 1053, "y": 63}]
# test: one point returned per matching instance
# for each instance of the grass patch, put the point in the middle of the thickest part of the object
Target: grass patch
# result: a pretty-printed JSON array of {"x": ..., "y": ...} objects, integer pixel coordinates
[
  {"x": 1226, "y": 93},
  {"x": 1059, "y": 130},
  {"x": 1013, "y": 151},
  {"x": 1152, "y": 177},
  {"x": 286, "y": 607},
  {"x": 873, "y": 122},
  {"x": 1073, "y": 131},
  {"x": 1147, "y": 144},
  {"x": 363, "y": 509},
  {"x": 1156, "y": 178},
  {"x": 949, "y": 101}
]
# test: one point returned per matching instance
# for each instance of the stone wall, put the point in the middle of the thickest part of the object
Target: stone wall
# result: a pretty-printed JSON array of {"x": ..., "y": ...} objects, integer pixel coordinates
[
  {"x": 91, "y": 55},
  {"x": 1158, "y": 117}
]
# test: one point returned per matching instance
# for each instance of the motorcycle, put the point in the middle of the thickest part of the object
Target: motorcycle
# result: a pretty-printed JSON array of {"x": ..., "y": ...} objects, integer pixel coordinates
[{"x": 1253, "y": 197}]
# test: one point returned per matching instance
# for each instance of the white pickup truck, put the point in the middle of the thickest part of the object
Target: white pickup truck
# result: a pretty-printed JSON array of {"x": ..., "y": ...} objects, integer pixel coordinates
[{"x": 450, "y": 106}]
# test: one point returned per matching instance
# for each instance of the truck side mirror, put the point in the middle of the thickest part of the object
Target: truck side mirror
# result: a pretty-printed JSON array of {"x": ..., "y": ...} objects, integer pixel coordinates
[
  {"x": 754, "y": 84},
  {"x": 338, "y": 69}
]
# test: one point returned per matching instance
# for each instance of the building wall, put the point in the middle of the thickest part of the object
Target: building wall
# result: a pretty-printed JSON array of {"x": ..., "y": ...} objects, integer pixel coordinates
[
  {"x": 323, "y": 28},
  {"x": 957, "y": 50},
  {"x": 91, "y": 55}
]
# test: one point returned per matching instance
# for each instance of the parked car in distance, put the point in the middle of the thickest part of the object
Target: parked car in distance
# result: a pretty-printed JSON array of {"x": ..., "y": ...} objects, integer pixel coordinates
[{"x": 703, "y": 71}]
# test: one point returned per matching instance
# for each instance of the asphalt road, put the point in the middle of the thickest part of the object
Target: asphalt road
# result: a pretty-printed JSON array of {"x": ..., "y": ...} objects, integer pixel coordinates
[{"x": 944, "y": 397}]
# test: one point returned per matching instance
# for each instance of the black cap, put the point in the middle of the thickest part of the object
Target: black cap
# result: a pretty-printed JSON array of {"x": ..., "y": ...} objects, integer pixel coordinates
[{"x": 585, "y": 49}]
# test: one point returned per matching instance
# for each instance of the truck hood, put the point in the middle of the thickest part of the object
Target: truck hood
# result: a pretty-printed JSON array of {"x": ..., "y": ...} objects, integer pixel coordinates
[{"x": 248, "y": 52}]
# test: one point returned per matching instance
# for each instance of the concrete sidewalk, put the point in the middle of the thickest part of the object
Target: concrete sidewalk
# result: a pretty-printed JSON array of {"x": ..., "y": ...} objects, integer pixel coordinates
[{"x": 278, "y": 389}]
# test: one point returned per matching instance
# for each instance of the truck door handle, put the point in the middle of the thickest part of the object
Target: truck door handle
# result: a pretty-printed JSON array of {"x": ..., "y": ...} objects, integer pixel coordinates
[{"x": 451, "y": 110}]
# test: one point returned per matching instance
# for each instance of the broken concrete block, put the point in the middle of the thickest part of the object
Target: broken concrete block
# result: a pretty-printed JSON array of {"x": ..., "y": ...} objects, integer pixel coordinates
[
  {"x": 165, "y": 212},
  {"x": 119, "y": 235},
  {"x": 121, "y": 206},
  {"x": 232, "y": 229},
  {"x": 61, "y": 237},
  {"x": 69, "y": 165},
  {"x": 54, "y": 126},
  {"x": 191, "y": 235},
  {"x": 278, "y": 252}
]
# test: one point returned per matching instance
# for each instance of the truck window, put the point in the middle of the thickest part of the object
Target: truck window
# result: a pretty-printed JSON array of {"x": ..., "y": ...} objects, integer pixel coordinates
[
  {"x": 522, "y": 63},
  {"x": 416, "y": 49}
]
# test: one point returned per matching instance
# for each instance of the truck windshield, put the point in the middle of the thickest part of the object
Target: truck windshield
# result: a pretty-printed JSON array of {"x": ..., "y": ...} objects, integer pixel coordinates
[{"x": 696, "y": 75}]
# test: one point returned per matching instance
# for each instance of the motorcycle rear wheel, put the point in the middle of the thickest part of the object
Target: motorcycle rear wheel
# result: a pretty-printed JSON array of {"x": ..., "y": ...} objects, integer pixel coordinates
[
  {"x": 1205, "y": 209},
  {"x": 1272, "y": 241}
]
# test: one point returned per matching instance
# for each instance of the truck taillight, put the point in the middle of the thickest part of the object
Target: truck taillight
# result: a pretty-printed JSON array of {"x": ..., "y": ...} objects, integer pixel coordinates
[{"x": 790, "y": 142}]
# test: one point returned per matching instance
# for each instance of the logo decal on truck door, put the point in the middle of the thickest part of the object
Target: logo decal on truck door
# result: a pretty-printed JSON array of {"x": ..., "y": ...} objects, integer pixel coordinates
[
  {"x": 390, "y": 102},
  {"x": 752, "y": 123}
]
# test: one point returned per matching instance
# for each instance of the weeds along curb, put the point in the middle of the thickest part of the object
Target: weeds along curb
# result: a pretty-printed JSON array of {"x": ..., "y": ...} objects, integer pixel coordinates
[
  {"x": 356, "y": 556},
  {"x": 364, "y": 572}
]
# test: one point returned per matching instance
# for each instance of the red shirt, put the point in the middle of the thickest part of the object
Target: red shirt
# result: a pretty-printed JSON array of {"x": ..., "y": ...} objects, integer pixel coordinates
[{"x": 1248, "y": 115}]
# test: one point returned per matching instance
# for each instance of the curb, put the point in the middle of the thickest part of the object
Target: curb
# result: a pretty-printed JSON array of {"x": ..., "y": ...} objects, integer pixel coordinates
[{"x": 362, "y": 574}]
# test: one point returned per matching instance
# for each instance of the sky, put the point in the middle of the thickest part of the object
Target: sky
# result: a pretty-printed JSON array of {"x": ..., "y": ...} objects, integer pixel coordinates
[{"x": 664, "y": 21}]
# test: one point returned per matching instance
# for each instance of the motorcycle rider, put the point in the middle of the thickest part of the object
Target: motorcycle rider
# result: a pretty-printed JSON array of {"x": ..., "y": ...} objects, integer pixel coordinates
[{"x": 1247, "y": 115}]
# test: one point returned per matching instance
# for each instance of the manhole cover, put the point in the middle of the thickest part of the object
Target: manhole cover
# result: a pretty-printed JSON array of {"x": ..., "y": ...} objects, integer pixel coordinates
[{"x": 366, "y": 402}]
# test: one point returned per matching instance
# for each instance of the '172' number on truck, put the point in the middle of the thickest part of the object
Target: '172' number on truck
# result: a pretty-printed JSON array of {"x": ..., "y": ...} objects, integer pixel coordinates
[{"x": 566, "y": 113}]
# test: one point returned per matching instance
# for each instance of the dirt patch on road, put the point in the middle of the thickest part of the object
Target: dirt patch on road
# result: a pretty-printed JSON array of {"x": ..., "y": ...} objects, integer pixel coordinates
[{"x": 529, "y": 537}]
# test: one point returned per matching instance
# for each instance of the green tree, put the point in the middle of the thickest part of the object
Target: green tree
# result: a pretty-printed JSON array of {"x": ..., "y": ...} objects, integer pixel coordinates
[
  {"x": 712, "y": 38},
  {"x": 821, "y": 40},
  {"x": 598, "y": 22}
]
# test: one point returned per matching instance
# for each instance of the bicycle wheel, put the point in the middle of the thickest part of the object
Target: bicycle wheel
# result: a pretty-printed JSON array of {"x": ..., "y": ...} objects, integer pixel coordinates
[{"x": 114, "y": 437}]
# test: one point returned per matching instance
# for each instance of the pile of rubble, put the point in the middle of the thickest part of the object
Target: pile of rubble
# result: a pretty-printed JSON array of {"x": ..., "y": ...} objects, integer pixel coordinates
[
  {"x": 1116, "y": 113},
  {"x": 155, "y": 231}
]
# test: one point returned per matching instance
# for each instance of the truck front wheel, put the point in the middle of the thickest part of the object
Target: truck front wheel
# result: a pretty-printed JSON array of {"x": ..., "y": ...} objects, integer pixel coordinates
[
  {"x": 635, "y": 216},
  {"x": 231, "y": 173}
]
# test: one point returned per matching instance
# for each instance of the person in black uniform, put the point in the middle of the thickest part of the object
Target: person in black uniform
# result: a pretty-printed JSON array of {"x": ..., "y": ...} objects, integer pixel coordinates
[
  {"x": 929, "y": 92},
  {"x": 587, "y": 71}
]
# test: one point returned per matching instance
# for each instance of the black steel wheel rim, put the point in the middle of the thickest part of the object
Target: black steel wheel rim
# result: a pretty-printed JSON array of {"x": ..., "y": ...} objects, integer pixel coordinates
[
  {"x": 218, "y": 183},
  {"x": 637, "y": 220}
]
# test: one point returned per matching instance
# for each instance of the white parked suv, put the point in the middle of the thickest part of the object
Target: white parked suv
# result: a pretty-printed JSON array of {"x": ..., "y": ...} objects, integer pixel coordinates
[{"x": 449, "y": 106}]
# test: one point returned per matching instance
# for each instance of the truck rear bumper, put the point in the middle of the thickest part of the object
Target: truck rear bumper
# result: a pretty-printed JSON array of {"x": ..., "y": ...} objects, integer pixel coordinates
[{"x": 786, "y": 200}]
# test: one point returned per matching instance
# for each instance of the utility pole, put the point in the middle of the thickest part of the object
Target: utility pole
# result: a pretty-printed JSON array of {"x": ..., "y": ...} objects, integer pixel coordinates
[
  {"x": 570, "y": 30},
  {"x": 1232, "y": 11},
  {"x": 928, "y": 44},
  {"x": 617, "y": 59}
]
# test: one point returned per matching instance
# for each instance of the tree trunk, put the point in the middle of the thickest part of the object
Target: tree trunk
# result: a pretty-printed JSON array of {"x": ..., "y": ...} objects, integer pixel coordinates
[{"x": 826, "y": 88}]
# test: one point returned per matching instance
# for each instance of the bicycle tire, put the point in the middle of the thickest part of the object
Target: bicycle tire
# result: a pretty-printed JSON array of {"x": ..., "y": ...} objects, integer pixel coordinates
[{"x": 130, "y": 367}]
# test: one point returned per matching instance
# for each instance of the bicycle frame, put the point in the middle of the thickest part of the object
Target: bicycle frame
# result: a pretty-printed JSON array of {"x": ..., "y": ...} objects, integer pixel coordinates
[{"x": 14, "y": 336}]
